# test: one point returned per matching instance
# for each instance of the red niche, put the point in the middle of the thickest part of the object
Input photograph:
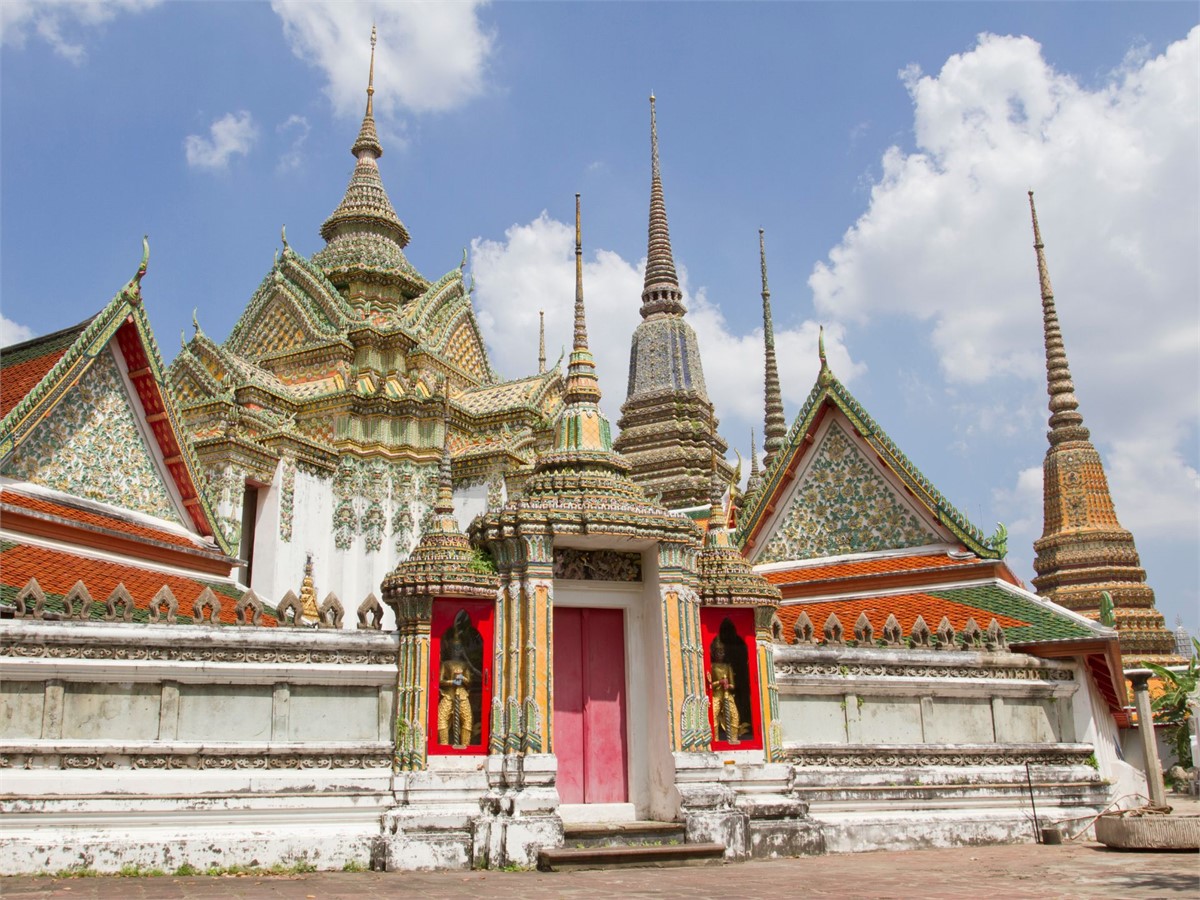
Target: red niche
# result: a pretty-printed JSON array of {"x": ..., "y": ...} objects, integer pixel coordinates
[
  {"x": 731, "y": 677},
  {"x": 460, "y": 677}
]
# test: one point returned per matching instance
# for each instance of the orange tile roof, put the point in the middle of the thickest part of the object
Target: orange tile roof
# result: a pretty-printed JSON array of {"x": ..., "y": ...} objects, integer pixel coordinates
[
  {"x": 23, "y": 365},
  {"x": 99, "y": 519},
  {"x": 852, "y": 568},
  {"x": 57, "y": 571},
  {"x": 17, "y": 380},
  {"x": 905, "y": 607}
]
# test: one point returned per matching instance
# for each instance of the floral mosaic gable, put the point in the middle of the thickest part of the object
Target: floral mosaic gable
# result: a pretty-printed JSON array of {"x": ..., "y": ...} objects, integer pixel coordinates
[
  {"x": 90, "y": 446},
  {"x": 843, "y": 505}
]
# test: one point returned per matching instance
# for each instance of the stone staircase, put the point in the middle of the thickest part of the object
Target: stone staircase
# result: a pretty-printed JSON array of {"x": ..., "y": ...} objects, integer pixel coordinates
[{"x": 628, "y": 845}]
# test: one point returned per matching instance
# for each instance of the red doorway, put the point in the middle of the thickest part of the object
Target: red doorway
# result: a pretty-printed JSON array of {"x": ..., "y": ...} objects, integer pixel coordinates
[{"x": 589, "y": 705}]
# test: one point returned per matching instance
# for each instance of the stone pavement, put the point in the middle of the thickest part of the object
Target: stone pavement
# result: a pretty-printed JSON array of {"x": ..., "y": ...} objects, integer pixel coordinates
[{"x": 997, "y": 872}]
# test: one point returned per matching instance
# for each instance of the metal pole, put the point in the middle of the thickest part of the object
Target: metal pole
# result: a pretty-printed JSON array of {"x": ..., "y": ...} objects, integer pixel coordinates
[{"x": 1037, "y": 832}]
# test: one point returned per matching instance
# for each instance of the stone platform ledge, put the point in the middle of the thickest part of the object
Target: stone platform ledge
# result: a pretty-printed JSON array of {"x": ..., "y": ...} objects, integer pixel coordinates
[
  {"x": 105, "y": 754},
  {"x": 954, "y": 755},
  {"x": 564, "y": 859}
]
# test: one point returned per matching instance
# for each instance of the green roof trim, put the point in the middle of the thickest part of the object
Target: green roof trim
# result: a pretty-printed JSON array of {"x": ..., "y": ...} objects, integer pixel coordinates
[
  {"x": 828, "y": 387},
  {"x": 1045, "y": 623}
]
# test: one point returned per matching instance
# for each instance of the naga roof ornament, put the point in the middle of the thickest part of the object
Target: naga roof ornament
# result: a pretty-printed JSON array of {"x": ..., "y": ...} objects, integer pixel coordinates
[
  {"x": 775, "y": 428},
  {"x": 1084, "y": 553},
  {"x": 364, "y": 231}
]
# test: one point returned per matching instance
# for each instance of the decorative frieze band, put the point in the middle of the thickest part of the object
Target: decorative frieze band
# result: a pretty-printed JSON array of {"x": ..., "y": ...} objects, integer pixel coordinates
[
  {"x": 785, "y": 669},
  {"x": 858, "y": 756},
  {"x": 197, "y": 654},
  {"x": 373, "y": 760}
]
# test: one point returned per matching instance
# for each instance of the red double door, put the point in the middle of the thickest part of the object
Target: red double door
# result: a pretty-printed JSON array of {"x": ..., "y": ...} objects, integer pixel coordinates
[{"x": 589, "y": 705}]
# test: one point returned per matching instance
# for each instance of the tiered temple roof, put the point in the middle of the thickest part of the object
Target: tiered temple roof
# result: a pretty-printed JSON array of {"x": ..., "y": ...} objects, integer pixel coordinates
[
  {"x": 1083, "y": 551},
  {"x": 667, "y": 428}
]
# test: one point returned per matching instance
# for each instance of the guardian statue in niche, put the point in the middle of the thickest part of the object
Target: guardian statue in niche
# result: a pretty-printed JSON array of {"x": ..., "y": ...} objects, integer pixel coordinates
[
  {"x": 458, "y": 679},
  {"x": 722, "y": 683}
]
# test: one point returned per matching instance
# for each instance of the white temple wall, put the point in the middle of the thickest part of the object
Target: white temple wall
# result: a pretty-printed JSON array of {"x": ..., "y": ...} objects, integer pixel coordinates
[
  {"x": 159, "y": 745},
  {"x": 901, "y": 748}
]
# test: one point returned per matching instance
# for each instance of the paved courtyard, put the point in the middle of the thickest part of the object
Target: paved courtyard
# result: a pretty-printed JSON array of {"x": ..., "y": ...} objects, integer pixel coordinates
[{"x": 1071, "y": 870}]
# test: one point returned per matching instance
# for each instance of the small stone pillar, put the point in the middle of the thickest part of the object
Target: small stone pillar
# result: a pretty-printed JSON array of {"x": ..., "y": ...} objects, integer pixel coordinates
[{"x": 1141, "y": 698}]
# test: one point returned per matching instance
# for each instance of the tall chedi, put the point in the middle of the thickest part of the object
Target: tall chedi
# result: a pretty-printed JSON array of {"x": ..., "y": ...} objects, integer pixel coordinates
[
  {"x": 1083, "y": 551},
  {"x": 667, "y": 428},
  {"x": 775, "y": 427}
]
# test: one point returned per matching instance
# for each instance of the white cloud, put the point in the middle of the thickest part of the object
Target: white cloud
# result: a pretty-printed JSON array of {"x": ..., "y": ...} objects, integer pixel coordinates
[
  {"x": 13, "y": 332},
  {"x": 946, "y": 241},
  {"x": 533, "y": 269},
  {"x": 233, "y": 133},
  {"x": 431, "y": 56},
  {"x": 298, "y": 127},
  {"x": 60, "y": 22}
]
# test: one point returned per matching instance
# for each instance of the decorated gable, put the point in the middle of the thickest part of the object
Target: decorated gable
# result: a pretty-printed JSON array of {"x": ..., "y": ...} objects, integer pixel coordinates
[
  {"x": 91, "y": 445},
  {"x": 842, "y": 503}
]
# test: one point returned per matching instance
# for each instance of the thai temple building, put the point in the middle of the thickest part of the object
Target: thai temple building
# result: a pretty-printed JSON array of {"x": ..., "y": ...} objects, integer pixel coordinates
[{"x": 330, "y": 591}]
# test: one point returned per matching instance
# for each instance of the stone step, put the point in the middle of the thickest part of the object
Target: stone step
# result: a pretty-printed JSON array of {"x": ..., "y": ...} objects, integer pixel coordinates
[
  {"x": 580, "y": 836},
  {"x": 564, "y": 859}
]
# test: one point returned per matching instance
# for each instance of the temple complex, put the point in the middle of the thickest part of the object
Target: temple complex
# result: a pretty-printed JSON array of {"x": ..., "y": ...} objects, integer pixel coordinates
[
  {"x": 579, "y": 636},
  {"x": 1084, "y": 552},
  {"x": 667, "y": 427}
]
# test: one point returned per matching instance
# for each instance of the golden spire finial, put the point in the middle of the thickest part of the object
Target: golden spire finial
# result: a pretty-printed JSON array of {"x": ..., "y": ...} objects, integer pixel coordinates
[
  {"x": 653, "y": 138},
  {"x": 580, "y": 322},
  {"x": 371, "y": 74}
]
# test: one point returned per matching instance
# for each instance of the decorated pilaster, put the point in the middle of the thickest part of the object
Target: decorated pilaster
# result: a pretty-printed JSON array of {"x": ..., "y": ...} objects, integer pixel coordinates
[{"x": 687, "y": 702}]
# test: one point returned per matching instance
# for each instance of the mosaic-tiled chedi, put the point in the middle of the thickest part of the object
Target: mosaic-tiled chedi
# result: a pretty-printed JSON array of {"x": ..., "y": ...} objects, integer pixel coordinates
[
  {"x": 667, "y": 429},
  {"x": 328, "y": 398},
  {"x": 1083, "y": 550}
]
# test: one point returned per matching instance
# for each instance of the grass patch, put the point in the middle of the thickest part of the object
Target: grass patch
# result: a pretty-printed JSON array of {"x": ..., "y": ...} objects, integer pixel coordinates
[{"x": 353, "y": 865}]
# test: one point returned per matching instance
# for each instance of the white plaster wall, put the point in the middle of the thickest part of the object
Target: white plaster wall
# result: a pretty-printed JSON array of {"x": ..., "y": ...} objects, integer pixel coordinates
[
  {"x": 325, "y": 712},
  {"x": 119, "y": 711},
  {"x": 1027, "y": 720},
  {"x": 812, "y": 720},
  {"x": 21, "y": 706},
  {"x": 889, "y": 720},
  {"x": 1094, "y": 725},
  {"x": 224, "y": 712},
  {"x": 469, "y": 502},
  {"x": 959, "y": 721}
]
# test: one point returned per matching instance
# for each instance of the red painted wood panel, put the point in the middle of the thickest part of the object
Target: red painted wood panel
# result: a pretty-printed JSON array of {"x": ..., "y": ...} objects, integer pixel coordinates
[
  {"x": 589, "y": 705},
  {"x": 568, "y": 702}
]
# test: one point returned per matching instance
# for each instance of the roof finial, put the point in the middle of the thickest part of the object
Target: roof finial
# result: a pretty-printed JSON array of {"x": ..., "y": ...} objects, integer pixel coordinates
[
  {"x": 368, "y": 138},
  {"x": 821, "y": 347},
  {"x": 775, "y": 429},
  {"x": 463, "y": 264},
  {"x": 660, "y": 292},
  {"x": 753, "y": 454},
  {"x": 283, "y": 237},
  {"x": 541, "y": 341},
  {"x": 371, "y": 75},
  {"x": 196, "y": 318},
  {"x": 145, "y": 263},
  {"x": 580, "y": 321},
  {"x": 1066, "y": 423}
]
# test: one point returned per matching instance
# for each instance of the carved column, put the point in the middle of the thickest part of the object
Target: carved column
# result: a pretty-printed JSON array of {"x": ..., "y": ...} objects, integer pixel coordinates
[
  {"x": 412, "y": 682},
  {"x": 537, "y": 661},
  {"x": 768, "y": 691}
]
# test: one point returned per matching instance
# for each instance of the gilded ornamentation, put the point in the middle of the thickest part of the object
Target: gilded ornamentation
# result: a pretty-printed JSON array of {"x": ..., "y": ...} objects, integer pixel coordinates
[{"x": 287, "y": 498}]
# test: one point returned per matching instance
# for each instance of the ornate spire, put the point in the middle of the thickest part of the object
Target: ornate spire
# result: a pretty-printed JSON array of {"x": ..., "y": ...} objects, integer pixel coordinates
[
  {"x": 661, "y": 293},
  {"x": 364, "y": 231},
  {"x": 582, "y": 384},
  {"x": 541, "y": 341},
  {"x": 775, "y": 428},
  {"x": 368, "y": 138},
  {"x": 1084, "y": 559},
  {"x": 1066, "y": 423},
  {"x": 754, "y": 482}
]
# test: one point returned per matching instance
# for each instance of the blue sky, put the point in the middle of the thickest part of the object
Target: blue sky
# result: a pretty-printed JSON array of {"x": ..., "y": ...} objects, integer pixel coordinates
[{"x": 885, "y": 148}]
